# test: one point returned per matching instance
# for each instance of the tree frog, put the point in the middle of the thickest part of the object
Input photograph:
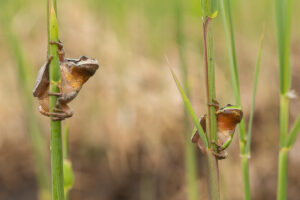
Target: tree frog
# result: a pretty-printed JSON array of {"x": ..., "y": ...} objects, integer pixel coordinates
[
  {"x": 227, "y": 119},
  {"x": 74, "y": 73}
]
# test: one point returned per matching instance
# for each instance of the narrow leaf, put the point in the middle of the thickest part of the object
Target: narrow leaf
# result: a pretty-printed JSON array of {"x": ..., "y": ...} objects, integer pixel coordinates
[
  {"x": 190, "y": 109},
  {"x": 257, "y": 69},
  {"x": 294, "y": 133}
]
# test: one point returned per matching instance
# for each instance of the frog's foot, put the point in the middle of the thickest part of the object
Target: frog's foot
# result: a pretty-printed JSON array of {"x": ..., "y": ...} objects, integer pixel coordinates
[
  {"x": 219, "y": 147},
  {"x": 65, "y": 109},
  {"x": 220, "y": 155},
  {"x": 60, "y": 51},
  {"x": 55, "y": 116},
  {"x": 59, "y": 44},
  {"x": 214, "y": 103}
]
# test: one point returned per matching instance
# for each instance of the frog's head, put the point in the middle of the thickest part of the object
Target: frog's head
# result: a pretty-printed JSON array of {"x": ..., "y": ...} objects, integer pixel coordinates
[
  {"x": 84, "y": 66},
  {"x": 231, "y": 112}
]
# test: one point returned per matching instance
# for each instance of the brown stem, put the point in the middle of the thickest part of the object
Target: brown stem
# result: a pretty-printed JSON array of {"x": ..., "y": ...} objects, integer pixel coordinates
[{"x": 205, "y": 27}]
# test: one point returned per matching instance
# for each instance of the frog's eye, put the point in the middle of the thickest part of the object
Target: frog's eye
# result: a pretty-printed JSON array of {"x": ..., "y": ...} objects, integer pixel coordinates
[
  {"x": 83, "y": 58},
  {"x": 228, "y": 105}
]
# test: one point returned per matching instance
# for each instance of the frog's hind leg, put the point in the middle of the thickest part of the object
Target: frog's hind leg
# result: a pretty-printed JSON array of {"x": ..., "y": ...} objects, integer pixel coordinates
[
  {"x": 55, "y": 115},
  {"x": 220, "y": 155},
  {"x": 64, "y": 109}
]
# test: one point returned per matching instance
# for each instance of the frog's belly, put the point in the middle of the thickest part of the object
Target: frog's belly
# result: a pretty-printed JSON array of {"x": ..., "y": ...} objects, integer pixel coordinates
[{"x": 223, "y": 136}]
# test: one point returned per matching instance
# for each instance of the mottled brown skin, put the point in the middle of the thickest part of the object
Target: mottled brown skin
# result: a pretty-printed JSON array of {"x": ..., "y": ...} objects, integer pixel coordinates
[
  {"x": 226, "y": 124},
  {"x": 74, "y": 73}
]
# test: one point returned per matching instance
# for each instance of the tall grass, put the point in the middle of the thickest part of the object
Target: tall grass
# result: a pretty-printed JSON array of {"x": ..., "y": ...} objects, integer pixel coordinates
[
  {"x": 209, "y": 11},
  {"x": 245, "y": 136},
  {"x": 55, "y": 126},
  {"x": 25, "y": 84},
  {"x": 283, "y": 12},
  {"x": 190, "y": 153}
]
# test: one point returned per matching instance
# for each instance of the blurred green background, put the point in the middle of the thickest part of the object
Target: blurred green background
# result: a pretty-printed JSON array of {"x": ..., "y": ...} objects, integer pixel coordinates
[{"x": 127, "y": 134}]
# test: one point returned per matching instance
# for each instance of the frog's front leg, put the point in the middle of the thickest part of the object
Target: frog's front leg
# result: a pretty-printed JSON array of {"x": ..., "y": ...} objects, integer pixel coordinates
[
  {"x": 214, "y": 103},
  {"x": 224, "y": 145},
  {"x": 64, "y": 98}
]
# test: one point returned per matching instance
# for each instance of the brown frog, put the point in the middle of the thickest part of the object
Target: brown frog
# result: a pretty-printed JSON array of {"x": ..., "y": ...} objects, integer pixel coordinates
[
  {"x": 227, "y": 119},
  {"x": 74, "y": 73}
]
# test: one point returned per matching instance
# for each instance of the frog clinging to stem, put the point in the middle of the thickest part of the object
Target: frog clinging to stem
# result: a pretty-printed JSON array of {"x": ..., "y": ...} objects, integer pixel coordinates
[
  {"x": 227, "y": 119},
  {"x": 74, "y": 73}
]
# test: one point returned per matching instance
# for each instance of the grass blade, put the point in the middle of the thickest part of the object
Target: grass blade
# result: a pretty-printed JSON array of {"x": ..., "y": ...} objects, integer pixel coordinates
[
  {"x": 257, "y": 69},
  {"x": 190, "y": 109},
  {"x": 294, "y": 133}
]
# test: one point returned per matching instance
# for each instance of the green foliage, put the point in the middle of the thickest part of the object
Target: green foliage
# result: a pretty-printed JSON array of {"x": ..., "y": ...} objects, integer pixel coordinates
[
  {"x": 25, "y": 80},
  {"x": 68, "y": 177},
  {"x": 283, "y": 10},
  {"x": 294, "y": 133},
  {"x": 55, "y": 126},
  {"x": 256, "y": 75},
  {"x": 209, "y": 8},
  {"x": 245, "y": 139},
  {"x": 190, "y": 110}
]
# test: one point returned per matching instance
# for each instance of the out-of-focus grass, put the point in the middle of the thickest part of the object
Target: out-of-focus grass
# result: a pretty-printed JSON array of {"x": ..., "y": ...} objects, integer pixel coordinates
[
  {"x": 190, "y": 150},
  {"x": 146, "y": 137},
  {"x": 25, "y": 79}
]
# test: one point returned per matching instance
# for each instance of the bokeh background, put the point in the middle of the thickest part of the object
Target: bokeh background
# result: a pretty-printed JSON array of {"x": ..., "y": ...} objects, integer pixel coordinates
[{"x": 127, "y": 135}]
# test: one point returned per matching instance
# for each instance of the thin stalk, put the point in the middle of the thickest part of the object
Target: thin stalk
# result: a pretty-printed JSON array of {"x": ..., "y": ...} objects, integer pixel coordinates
[
  {"x": 256, "y": 75},
  {"x": 209, "y": 80},
  {"x": 294, "y": 133},
  {"x": 55, "y": 126},
  {"x": 190, "y": 153},
  {"x": 282, "y": 173},
  {"x": 209, "y": 11},
  {"x": 67, "y": 165},
  {"x": 245, "y": 173},
  {"x": 190, "y": 110},
  {"x": 66, "y": 142},
  {"x": 228, "y": 26},
  {"x": 283, "y": 13}
]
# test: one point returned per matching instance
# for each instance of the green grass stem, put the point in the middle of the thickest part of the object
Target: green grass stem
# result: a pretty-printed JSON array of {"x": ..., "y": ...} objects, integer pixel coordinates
[
  {"x": 294, "y": 133},
  {"x": 55, "y": 126},
  {"x": 190, "y": 110},
  {"x": 210, "y": 11},
  {"x": 67, "y": 165},
  {"x": 283, "y": 13},
  {"x": 256, "y": 75},
  {"x": 282, "y": 173},
  {"x": 245, "y": 139}
]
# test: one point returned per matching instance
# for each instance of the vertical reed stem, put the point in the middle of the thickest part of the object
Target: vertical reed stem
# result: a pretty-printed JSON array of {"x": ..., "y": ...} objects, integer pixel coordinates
[
  {"x": 211, "y": 119},
  {"x": 55, "y": 126}
]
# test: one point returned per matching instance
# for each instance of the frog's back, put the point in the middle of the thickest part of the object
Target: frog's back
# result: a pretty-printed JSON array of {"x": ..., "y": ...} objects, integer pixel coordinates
[{"x": 42, "y": 81}]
